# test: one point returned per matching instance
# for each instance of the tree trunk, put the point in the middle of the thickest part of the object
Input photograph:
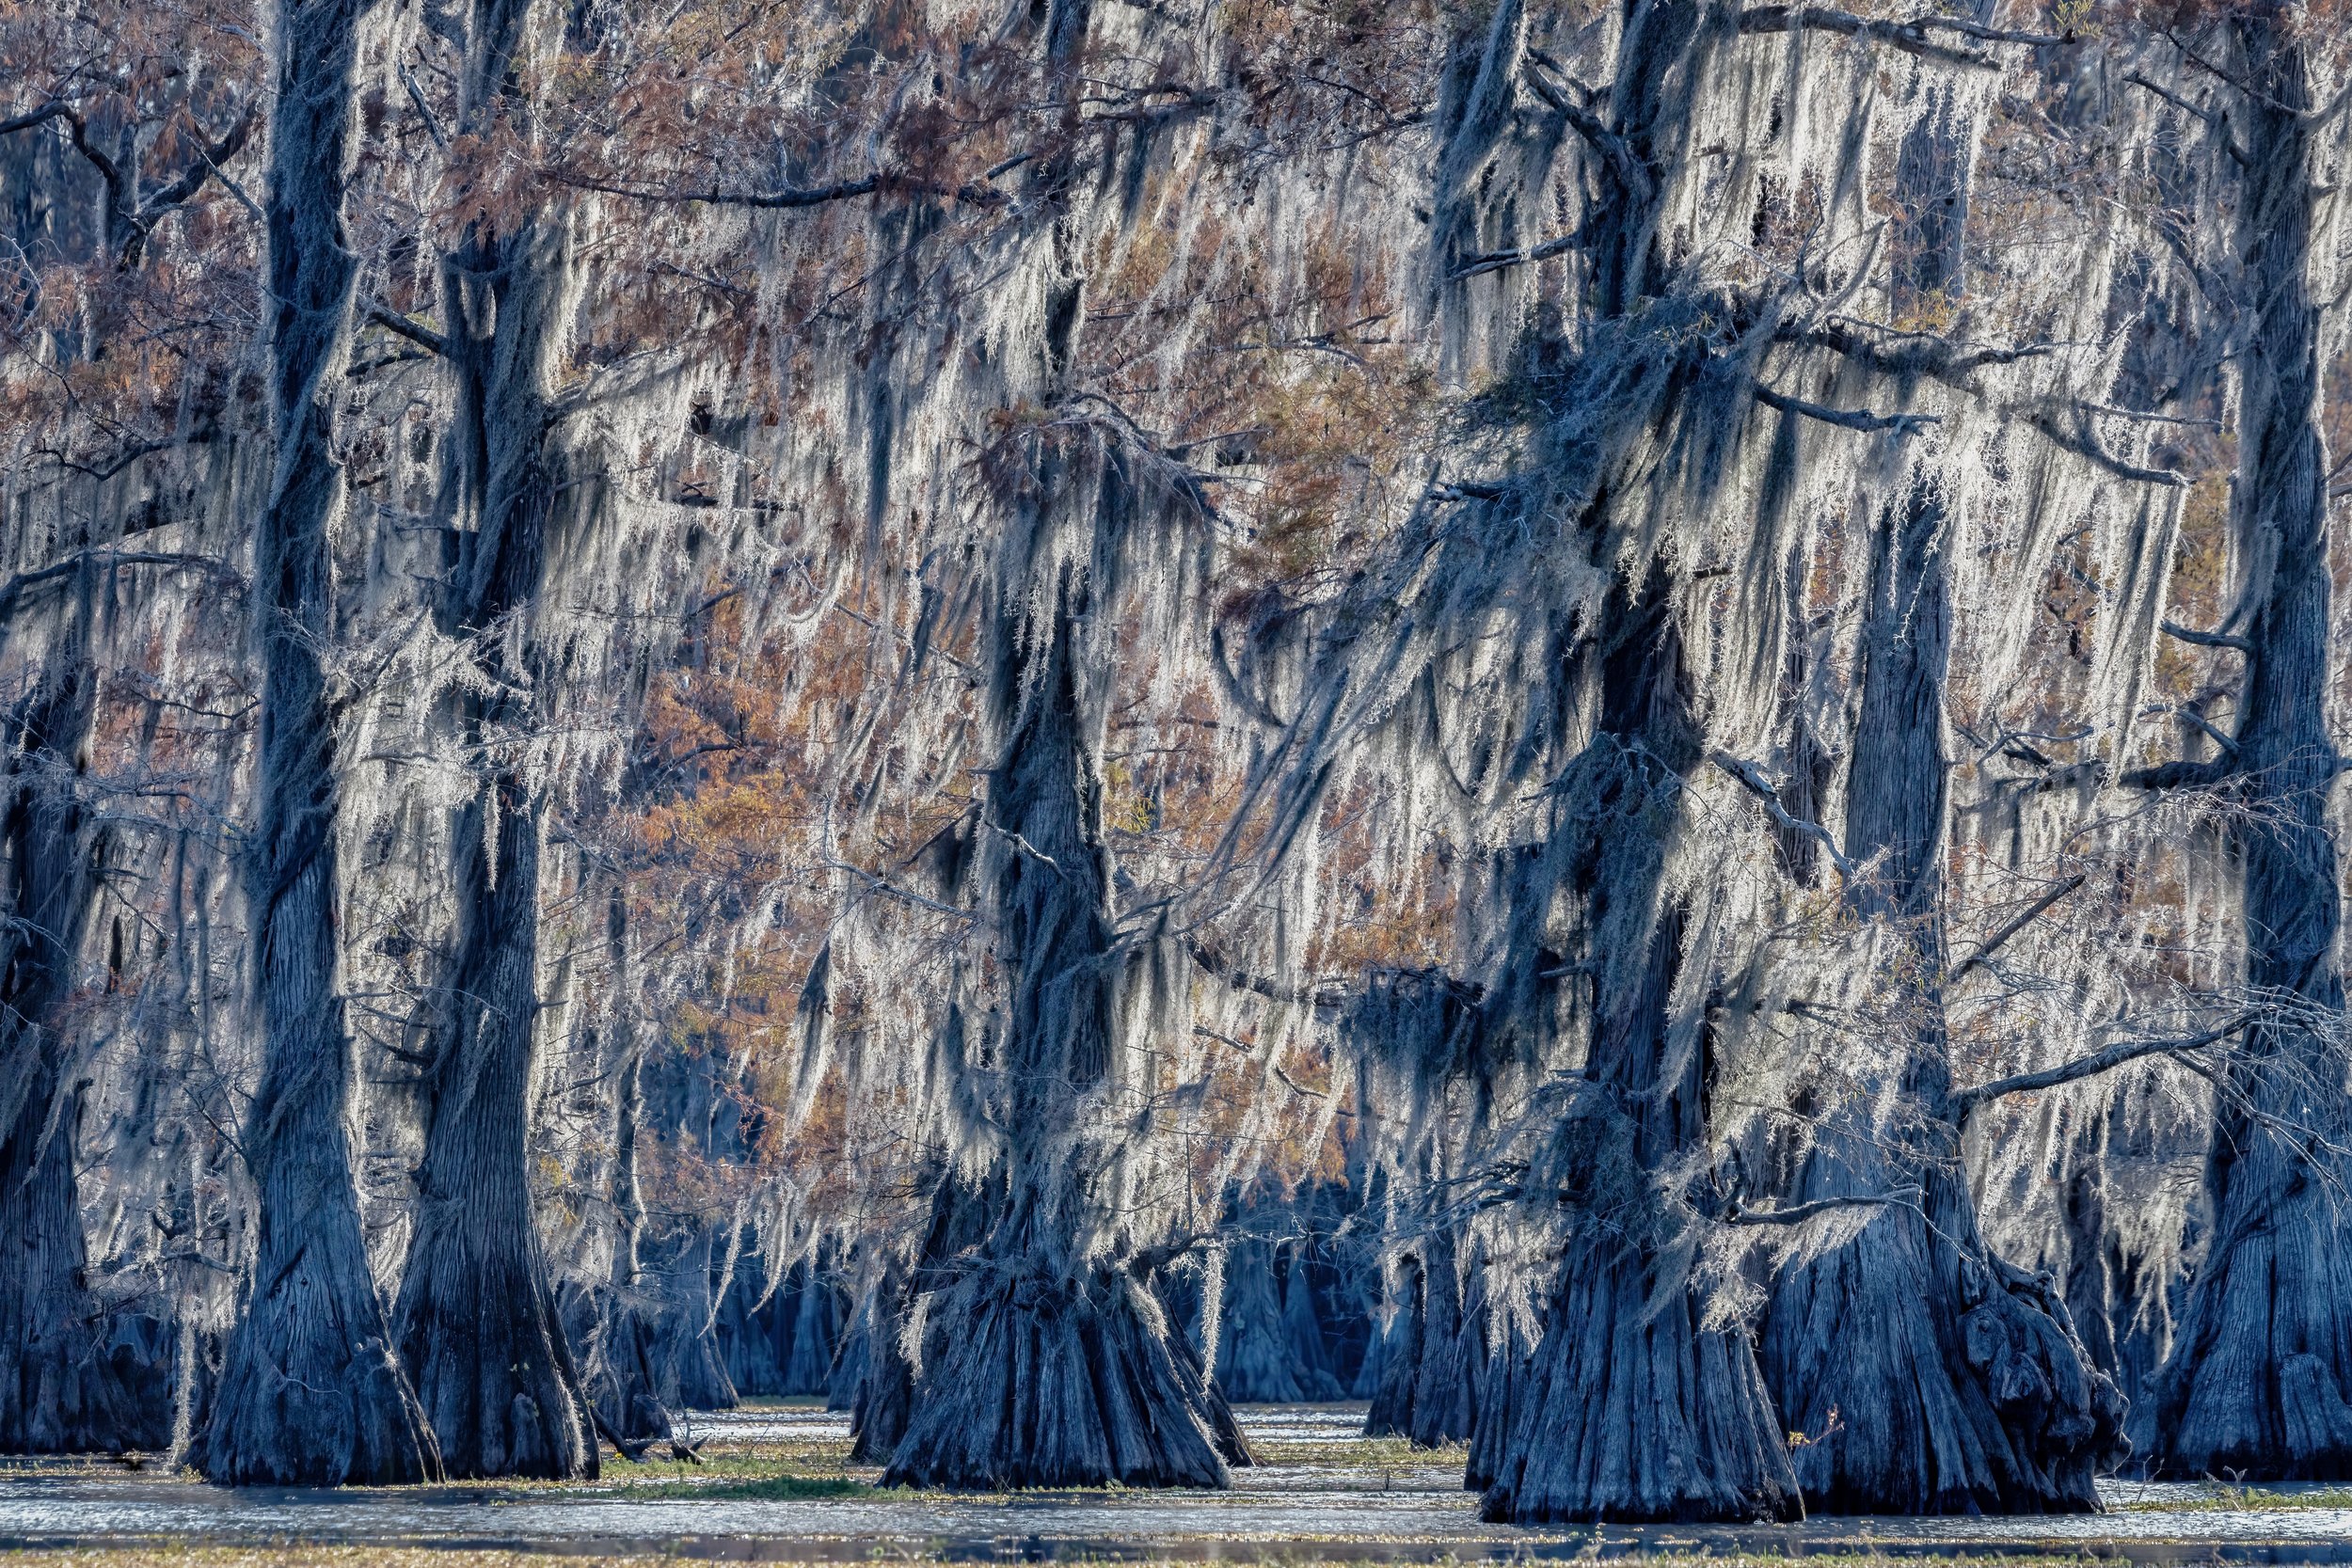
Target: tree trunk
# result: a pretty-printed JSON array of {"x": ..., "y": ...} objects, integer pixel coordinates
[
  {"x": 479, "y": 1327},
  {"x": 2262, "y": 1365},
  {"x": 1302, "y": 1334},
  {"x": 1049, "y": 1361},
  {"x": 693, "y": 1372},
  {"x": 1924, "y": 1375},
  {"x": 478, "y": 1320},
  {"x": 814, "y": 1331},
  {"x": 886, "y": 1400},
  {"x": 1057, "y": 1367},
  {"x": 1498, "y": 1400},
  {"x": 1399, "y": 1376},
  {"x": 60, "y": 1390},
  {"x": 1264, "y": 1354},
  {"x": 885, "y": 1391},
  {"x": 1453, "y": 1349},
  {"x": 1633, "y": 1408},
  {"x": 1434, "y": 1355},
  {"x": 309, "y": 1393},
  {"x": 619, "y": 1362},
  {"x": 613, "y": 1323},
  {"x": 853, "y": 1361}
]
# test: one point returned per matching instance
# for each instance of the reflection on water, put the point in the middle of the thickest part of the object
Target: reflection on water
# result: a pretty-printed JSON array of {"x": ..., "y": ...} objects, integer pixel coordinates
[{"x": 1325, "y": 1492}]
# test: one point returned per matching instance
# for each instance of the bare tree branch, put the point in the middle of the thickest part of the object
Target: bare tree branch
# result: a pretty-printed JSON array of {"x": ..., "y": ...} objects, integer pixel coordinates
[
  {"x": 1496, "y": 261},
  {"x": 1992, "y": 944},
  {"x": 1625, "y": 164},
  {"x": 1910, "y": 37},
  {"x": 1797, "y": 1214},
  {"x": 878, "y": 183},
  {"x": 2208, "y": 638},
  {"x": 15, "y": 588},
  {"x": 54, "y": 109},
  {"x": 1903, "y": 425},
  {"x": 2084, "y": 443},
  {"x": 1762, "y": 788},
  {"x": 1966, "y": 1101},
  {"x": 393, "y": 321},
  {"x": 2182, "y": 775},
  {"x": 2214, "y": 121}
]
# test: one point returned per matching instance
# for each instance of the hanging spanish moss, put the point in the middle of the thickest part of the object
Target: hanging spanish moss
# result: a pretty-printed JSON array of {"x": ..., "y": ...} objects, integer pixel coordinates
[{"x": 1603, "y": 720}]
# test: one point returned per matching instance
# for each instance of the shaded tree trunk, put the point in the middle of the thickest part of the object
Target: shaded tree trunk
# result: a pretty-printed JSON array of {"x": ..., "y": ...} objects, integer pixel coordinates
[
  {"x": 1049, "y": 1360},
  {"x": 60, "y": 1390},
  {"x": 2261, "y": 1368},
  {"x": 477, "y": 1313},
  {"x": 1633, "y": 1407},
  {"x": 1400, "y": 1351},
  {"x": 1926, "y": 1376},
  {"x": 1302, "y": 1333},
  {"x": 1498, "y": 1400},
  {"x": 309, "y": 1392},
  {"x": 815, "y": 1331},
  {"x": 1056, "y": 1366},
  {"x": 1434, "y": 1358},
  {"x": 961, "y": 1213},
  {"x": 885, "y": 1395},
  {"x": 1265, "y": 1354},
  {"x": 478, "y": 1323},
  {"x": 1453, "y": 1349},
  {"x": 615, "y": 1323}
]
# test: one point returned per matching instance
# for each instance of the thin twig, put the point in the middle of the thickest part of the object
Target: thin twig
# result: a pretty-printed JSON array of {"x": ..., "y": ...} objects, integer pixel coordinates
[{"x": 1991, "y": 945}]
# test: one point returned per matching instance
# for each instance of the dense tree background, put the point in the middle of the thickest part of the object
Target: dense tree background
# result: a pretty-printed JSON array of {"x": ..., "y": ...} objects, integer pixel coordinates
[{"x": 1609, "y": 722}]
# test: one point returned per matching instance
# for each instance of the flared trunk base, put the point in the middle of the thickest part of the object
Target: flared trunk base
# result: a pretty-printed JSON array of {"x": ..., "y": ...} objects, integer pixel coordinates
[
  {"x": 61, "y": 1390},
  {"x": 1636, "y": 1415},
  {"x": 1918, "y": 1389},
  {"x": 1047, "y": 1383},
  {"x": 2260, "y": 1387},
  {"x": 301, "y": 1404},
  {"x": 493, "y": 1372}
]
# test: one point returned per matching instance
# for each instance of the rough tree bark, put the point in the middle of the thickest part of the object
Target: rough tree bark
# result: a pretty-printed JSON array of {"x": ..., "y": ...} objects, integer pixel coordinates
[
  {"x": 613, "y": 1322},
  {"x": 478, "y": 1321},
  {"x": 1269, "y": 1346},
  {"x": 1498, "y": 1406},
  {"x": 1050, "y": 1362},
  {"x": 1452, "y": 1348},
  {"x": 1436, "y": 1362},
  {"x": 309, "y": 1393},
  {"x": 1057, "y": 1367},
  {"x": 1401, "y": 1338},
  {"x": 61, "y": 1392},
  {"x": 884, "y": 1396},
  {"x": 1927, "y": 1376},
  {"x": 2261, "y": 1368},
  {"x": 1632, "y": 1407}
]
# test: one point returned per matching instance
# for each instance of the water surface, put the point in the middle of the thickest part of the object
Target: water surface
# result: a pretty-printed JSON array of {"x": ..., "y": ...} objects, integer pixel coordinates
[{"x": 1325, "y": 1492}]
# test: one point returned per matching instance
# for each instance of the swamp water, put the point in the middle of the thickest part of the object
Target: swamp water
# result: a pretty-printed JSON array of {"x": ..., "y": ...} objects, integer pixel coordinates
[{"x": 1322, "y": 1492}]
